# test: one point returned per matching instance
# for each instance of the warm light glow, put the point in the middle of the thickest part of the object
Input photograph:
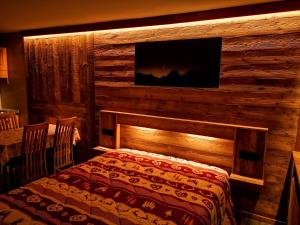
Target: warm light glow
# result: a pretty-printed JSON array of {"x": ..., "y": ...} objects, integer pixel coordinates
[
  {"x": 144, "y": 129},
  {"x": 193, "y": 136},
  {"x": 180, "y": 25},
  {"x": 203, "y": 137},
  {"x": 59, "y": 35}
]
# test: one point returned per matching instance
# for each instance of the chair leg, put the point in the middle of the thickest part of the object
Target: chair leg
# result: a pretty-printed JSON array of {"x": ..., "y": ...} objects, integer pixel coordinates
[
  {"x": 2, "y": 184},
  {"x": 13, "y": 170},
  {"x": 11, "y": 176},
  {"x": 5, "y": 178},
  {"x": 17, "y": 173}
]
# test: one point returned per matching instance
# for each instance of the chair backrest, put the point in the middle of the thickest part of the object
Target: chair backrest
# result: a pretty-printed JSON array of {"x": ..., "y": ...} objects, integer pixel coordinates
[
  {"x": 9, "y": 121},
  {"x": 63, "y": 143},
  {"x": 33, "y": 152}
]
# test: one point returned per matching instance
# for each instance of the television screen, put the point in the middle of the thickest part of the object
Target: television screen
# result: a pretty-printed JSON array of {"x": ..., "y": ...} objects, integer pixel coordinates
[{"x": 183, "y": 63}]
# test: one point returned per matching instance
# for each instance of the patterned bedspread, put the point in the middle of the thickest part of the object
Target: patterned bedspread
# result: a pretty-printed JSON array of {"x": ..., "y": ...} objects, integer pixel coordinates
[{"x": 123, "y": 187}]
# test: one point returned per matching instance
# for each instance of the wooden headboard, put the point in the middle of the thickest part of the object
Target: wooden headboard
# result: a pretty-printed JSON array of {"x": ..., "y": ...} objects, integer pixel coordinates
[{"x": 249, "y": 143}]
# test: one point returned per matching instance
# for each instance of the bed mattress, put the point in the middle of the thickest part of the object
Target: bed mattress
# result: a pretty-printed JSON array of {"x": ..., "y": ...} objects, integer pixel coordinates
[{"x": 123, "y": 187}]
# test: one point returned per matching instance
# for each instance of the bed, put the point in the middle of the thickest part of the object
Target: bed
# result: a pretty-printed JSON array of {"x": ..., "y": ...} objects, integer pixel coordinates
[{"x": 124, "y": 187}]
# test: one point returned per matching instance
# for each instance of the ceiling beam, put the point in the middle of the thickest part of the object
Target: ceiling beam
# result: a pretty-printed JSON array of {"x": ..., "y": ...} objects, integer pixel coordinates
[{"x": 263, "y": 8}]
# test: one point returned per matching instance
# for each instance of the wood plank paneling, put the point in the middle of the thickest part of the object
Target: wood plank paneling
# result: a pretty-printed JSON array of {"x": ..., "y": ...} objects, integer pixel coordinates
[
  {"x": 61, "y": 82},
  {"x": 180, "y": 145},
  {"x": 264, "y": 24},
  {"x": 259, "y": 86}
]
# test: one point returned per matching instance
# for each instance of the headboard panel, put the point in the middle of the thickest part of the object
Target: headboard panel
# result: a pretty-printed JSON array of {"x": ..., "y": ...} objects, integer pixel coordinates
[
  {"x": 209, "y": 150},
  {"x": 249, "y": 143}
]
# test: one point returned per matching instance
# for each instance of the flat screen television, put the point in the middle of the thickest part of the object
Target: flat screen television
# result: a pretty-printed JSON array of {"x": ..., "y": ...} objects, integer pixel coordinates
[{"x": 183, "y": 63}]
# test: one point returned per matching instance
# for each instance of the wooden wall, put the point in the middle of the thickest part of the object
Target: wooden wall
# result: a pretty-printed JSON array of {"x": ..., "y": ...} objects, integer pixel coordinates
[
  {"x": 60, "y": 82},
  {"x": 259, "y": 86},
  {"x": 14, "y": 92}
]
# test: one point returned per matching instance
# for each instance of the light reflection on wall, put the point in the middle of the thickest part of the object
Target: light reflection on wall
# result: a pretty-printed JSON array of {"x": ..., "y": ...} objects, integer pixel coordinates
[
  {"x": 209, "y": 150},
  {"x": 203, "y": 137},
  {"x": 169, "y": 137},
  {"x": 144, "y": 129}
]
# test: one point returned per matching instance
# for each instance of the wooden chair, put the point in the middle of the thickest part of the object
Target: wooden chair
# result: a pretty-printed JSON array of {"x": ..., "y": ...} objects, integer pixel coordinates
[
  {"x": 33, "y": 152},
  {"x": 9, "y": 121},
  {"x": 63, "y": 143}
]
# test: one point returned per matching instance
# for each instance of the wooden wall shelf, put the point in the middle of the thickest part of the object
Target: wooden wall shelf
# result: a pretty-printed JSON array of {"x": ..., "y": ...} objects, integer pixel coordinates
[
  {"x": 3, "y": 63},
  {"x": 102, "y": 149},
  {"x": 246, "y": 183},
  {"x": 294, "y": 198}
]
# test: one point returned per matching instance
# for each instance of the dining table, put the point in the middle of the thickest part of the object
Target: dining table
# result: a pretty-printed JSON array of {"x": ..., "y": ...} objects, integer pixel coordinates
[{"x": 11, "y": 140}]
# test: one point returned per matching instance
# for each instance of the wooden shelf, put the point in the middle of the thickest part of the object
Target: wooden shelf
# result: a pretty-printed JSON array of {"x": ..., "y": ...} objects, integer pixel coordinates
[
  {"x": 296, "y": 157},
  {"x": 294, "y": 198},
  {"x": 246, "y": 183},
  {"x": 3, "y": 63},
  {"x": 103, "y": 149}
]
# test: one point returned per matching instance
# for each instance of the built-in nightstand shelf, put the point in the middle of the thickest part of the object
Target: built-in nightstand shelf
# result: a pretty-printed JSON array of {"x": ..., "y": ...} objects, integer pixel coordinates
[
  {"x": 101, "y": 149},
  {"x": 246, "y": 183}
]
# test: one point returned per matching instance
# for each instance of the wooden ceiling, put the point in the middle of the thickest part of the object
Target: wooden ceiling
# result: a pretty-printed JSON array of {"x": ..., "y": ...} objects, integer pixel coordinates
[{"x": 19, "y": 15}]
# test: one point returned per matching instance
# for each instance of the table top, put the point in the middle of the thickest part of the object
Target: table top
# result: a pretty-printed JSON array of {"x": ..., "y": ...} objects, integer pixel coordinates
[{"x": 14, "y": 136}]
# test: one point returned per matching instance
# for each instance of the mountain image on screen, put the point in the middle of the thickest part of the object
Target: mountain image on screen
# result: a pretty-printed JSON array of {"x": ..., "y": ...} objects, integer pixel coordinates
[
  {"x": 188, "y": 63},
  {"x": 174, "y": 78}
]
